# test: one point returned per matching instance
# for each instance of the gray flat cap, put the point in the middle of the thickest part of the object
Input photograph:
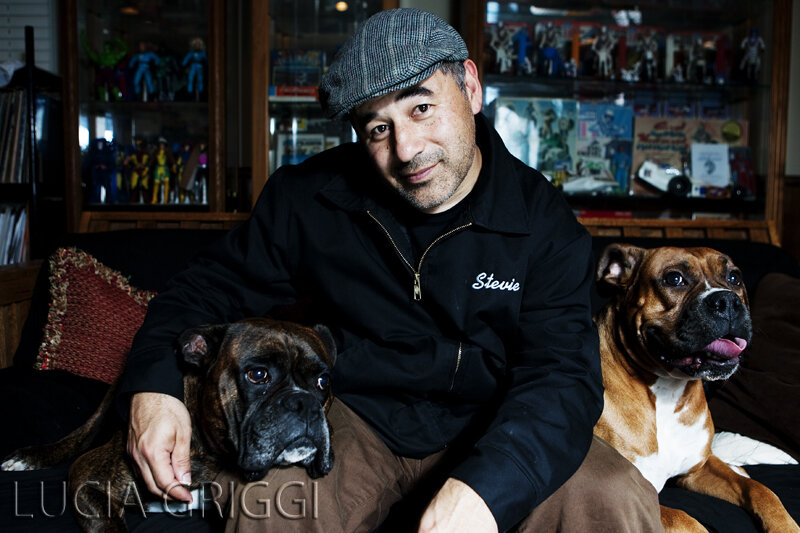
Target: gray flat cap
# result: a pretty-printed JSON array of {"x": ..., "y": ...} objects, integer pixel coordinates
[{"x": 391, "y": 50}]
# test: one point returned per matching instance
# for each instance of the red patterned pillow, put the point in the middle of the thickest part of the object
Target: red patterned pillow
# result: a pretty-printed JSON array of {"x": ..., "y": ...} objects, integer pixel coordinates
[{"x": 93, "y": 316}]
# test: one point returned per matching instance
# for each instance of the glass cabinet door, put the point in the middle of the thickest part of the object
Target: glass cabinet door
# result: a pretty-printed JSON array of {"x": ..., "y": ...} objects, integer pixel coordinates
[
  {"x": 656, "y": 110},
  {"x": 304, "y": 37},
  {"x": 143, "y": 75}
]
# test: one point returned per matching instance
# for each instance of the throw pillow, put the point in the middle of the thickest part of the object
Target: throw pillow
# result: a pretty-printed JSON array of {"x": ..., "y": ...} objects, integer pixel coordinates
[
  {"x": 761, "y": 399},
  {"x": 93, "y": 316}
]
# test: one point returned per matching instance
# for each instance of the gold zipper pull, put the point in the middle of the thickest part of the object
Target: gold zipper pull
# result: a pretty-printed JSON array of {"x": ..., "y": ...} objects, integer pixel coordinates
[{"x": 417, "y": 287}]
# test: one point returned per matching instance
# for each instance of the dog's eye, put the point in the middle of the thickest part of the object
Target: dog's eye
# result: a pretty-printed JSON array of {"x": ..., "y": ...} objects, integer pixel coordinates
[
  {"x": 674, "y": 278},
  {"x": 324, "y": 382},
  {"x": 735, "y": 279},
  {"x": 258, "y": 375}
]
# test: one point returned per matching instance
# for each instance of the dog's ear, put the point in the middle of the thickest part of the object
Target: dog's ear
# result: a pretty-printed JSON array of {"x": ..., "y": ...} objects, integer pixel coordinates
[
  {"x": 200, "y": 345},
  {"x": 326, "y": 337},
  {"x": 618, "y": 263}
]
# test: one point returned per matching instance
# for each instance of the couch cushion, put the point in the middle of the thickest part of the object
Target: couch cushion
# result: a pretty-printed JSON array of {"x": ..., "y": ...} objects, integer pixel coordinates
[
  {"x": 94, "y": 314},
  {"x": 760, "y": 400}
]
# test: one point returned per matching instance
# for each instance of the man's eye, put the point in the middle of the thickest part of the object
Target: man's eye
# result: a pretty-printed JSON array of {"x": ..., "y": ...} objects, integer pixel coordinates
[
  {"x": 423, "y": 108},
  {"x": 378, "y": 131}
]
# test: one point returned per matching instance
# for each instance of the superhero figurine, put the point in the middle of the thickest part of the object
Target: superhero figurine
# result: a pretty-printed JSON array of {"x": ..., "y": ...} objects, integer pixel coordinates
[
  {"x": 754, "y": 47},
  {"x": 183, "y": 153},
  {"x": 99, "y": 170},
  {"x": 138, "y": 165},
  {"x": 106, "y": 82},
  {"x": 145, "y": 62},
  {"x": 602, "y": 47},
  {"x": 196, "y": 60},
  {"x": 162, "y": 163}
]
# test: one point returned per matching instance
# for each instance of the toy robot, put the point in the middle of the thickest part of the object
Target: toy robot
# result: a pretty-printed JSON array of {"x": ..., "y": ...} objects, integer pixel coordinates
[
  {"x": 753, "y": 45},
  {"x": 144, "y": 63},
  {"x": 196, "y": 60}
]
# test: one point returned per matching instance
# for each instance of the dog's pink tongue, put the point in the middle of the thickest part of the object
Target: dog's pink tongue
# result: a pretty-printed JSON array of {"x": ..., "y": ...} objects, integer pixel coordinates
[{"x": 727, "y": 348}]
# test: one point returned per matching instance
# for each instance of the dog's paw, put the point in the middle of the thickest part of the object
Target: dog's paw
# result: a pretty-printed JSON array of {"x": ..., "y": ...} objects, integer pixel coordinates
[{"x": 16, "y": 464}]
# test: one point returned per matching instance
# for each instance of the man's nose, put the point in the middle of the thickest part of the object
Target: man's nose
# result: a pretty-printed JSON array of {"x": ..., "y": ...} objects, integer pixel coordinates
[{"x": 407, "y": 142}]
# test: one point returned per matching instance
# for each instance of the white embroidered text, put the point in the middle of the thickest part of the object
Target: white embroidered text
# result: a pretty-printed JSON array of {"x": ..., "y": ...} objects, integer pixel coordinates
[{"x": 487, "y": 281}]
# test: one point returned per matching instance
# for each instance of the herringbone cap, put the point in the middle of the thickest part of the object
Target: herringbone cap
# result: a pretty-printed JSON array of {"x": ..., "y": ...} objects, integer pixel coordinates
[{"x": 391, "y": 50}]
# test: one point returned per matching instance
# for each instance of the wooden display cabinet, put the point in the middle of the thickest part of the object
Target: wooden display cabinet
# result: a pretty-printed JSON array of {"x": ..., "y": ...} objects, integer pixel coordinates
[{"x": 522, "y": 71}]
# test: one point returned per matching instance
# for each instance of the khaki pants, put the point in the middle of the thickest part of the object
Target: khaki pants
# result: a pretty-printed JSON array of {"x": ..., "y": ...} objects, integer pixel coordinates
[{"x": 606, "y": 494}]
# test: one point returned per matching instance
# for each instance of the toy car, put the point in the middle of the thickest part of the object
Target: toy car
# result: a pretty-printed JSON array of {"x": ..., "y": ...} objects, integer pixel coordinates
[{"x": 665, "y": 178}]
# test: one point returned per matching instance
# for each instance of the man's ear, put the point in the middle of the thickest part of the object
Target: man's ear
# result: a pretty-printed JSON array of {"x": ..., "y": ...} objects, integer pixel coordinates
[
  {"x": 200, "y": 345},
  {"x": 326, "y": 337},
  {"x": 618, "y": 264},
  {"x": 472, "y": 83}
]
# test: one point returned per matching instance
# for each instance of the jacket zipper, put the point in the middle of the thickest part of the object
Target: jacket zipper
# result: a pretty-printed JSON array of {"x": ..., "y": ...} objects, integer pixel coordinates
[
  {"x": 416, "y": 271},
  {"x": 458, "y": 365}
]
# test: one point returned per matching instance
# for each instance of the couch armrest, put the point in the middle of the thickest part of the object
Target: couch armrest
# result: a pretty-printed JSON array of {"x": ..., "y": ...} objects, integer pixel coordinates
[{"x": 16, "y": 289}]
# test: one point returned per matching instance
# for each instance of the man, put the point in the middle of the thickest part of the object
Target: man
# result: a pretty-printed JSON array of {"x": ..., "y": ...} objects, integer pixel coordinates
[{"x": 456, "y": 281}]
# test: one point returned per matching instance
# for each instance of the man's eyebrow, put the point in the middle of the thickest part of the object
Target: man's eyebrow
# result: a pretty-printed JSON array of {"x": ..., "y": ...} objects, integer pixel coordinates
[{"x": 415, "y": 90}]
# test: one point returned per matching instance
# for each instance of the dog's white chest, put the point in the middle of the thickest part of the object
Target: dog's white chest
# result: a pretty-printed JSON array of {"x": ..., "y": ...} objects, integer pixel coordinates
[{"x": 680, "y": 447}]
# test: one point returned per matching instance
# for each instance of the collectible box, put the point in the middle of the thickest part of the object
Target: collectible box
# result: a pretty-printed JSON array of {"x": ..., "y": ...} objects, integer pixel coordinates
[
  {"x": 605, "y": 133},
  {"x": 668, "y": 141},
  {"x": 541, "y": 132}
]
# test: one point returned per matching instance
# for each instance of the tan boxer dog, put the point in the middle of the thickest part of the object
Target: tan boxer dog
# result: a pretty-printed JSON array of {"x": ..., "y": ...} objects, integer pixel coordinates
[
  {"x": 679, "y": 316},
  {"x": 256, "y": 390}
]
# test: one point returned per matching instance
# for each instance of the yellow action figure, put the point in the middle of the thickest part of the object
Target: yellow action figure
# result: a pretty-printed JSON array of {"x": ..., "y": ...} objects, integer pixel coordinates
[
  {"x": 161, "y": 172},
  {"x": 139, "y": 164}
]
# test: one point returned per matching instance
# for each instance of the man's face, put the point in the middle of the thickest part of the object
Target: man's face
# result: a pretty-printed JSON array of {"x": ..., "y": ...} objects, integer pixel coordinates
[{"x": 422, "y": 139}]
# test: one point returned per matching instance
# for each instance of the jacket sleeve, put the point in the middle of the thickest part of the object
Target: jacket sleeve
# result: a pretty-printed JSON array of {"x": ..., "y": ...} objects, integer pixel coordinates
[
  {"x": 543, "y": 427},
  {"x": 225, "y": 282}
]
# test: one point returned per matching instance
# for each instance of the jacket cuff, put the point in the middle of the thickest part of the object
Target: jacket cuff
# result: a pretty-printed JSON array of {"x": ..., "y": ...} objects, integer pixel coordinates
[
  {"x": 150, "y": 371},
  {"x": 506, "y": 490}
]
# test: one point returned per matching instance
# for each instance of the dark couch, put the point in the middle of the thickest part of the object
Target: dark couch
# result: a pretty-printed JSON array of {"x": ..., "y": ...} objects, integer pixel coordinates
[{"x": 41, "y": 406}]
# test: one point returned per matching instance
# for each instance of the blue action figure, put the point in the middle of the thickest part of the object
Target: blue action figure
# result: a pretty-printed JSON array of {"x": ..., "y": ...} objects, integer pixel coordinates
[
  {"x": 144, "y": 62},
  {"x": 196, "y": 60}
]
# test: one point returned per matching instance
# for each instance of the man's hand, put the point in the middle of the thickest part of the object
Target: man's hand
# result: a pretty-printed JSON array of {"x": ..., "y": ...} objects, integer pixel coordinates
[
  {"x": 158, "y": 441},
  {"x": 456, "y": 508}
]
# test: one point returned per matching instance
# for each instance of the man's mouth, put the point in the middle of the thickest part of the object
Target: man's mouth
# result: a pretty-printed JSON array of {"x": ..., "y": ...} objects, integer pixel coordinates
[{"x": 418, "y": 177}]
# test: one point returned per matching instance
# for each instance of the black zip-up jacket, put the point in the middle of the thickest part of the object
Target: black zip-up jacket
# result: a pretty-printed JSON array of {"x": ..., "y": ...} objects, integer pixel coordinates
[{"x": 493, "y": 317}]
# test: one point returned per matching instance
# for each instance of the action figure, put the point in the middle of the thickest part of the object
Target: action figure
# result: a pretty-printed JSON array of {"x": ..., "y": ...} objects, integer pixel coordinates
[
  {"x": 144, "y": 62},
  {"x": 603, "y": 46},
  {"x": 524, "y": 65},
  {"x": 166, "y": 75},
  {"x": 501, "y": 42},
  {"x": 180, "y": 170},
  {"x": 201, "y": 176},
  {"x": 548, "y": 44},
  {"x": 138, "y": 165},
  {"x": 99, "y": 169},
  {"x": 753, "y": 45},
  {"x": 196, "y": 60},
  {"x": 106, "y": 82},
  {"x": 162, "y": 163},
  {"x": 696, "y": 72},
  {"x": 648, "y": 56}
]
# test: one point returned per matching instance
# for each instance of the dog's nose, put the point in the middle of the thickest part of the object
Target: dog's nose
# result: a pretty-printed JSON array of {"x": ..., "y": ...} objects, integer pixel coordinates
[
  {"x": 724, "y": 304},
  {"x": 297, "y": 402}
]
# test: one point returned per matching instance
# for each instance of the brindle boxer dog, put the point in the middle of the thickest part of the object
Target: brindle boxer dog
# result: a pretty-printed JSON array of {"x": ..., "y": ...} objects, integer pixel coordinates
[
  {"x": 257, "y": 391},
  {"x": 679, "y": 316}
]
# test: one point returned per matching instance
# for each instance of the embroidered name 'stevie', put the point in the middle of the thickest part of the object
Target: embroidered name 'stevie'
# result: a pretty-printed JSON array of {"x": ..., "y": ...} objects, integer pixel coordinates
[{"x": 487, "y": 281}]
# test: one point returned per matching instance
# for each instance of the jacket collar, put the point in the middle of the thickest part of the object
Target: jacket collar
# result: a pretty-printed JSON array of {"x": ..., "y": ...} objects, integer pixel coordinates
[{"x": 496, "y": 203}]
